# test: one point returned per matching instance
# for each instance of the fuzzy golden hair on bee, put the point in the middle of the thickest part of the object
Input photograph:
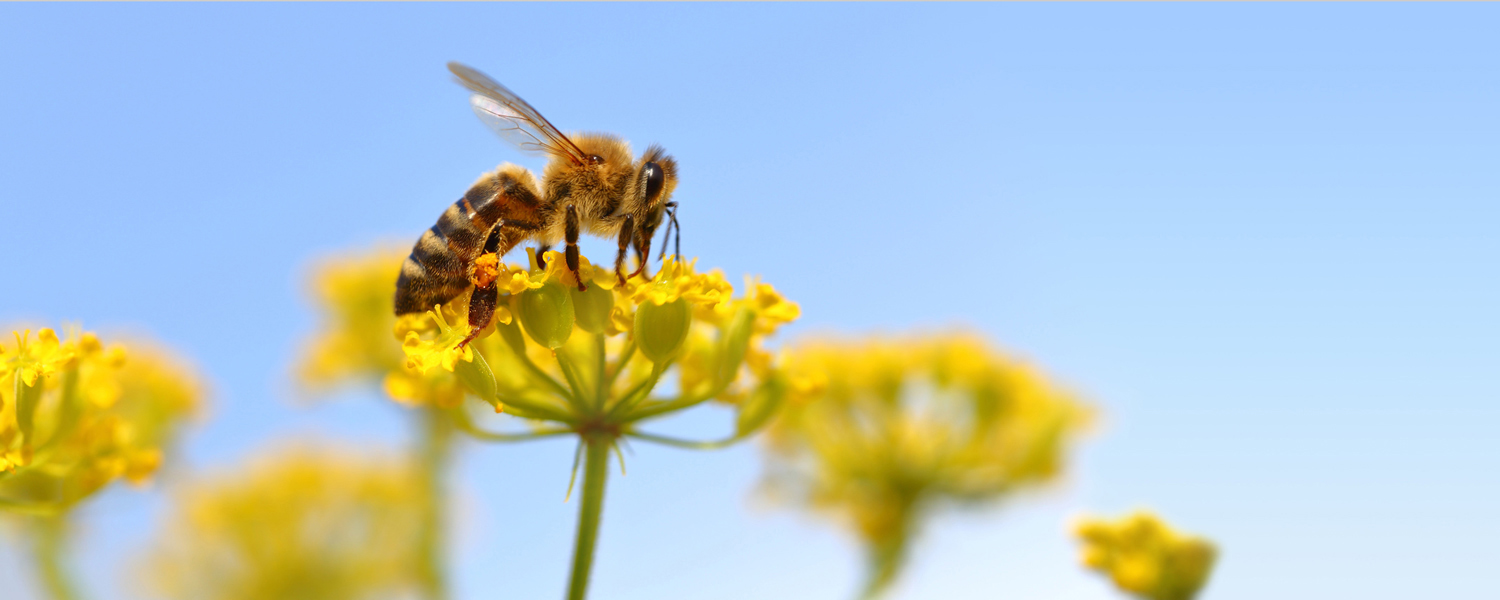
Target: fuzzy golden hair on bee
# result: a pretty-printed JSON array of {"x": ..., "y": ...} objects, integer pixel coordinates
[{"x": 591, "y": 184}]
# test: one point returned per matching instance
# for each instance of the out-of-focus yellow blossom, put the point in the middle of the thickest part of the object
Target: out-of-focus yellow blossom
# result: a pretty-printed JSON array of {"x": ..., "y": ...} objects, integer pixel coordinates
[
  {"x": 312, "y": 524},
  {"x": 354, "y": 344},
  {"x": 76, "y": 415},
  {"x": 1146, "y": 557},
  {"x": 878, "y": 431},
  {"x": 353, "y": 293},
  {"x": 588, "y": 362}
]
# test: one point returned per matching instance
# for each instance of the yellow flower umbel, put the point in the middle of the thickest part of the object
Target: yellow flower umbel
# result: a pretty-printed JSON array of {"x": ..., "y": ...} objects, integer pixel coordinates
[
  {"x": 353, "y": 345},
  {"x": 878, "y": 431},
  {"x": 588, "y": 363},
  {"x": 1145, "y": 557},
  {"x": 303, "y": 523},
  {"x": 76, "y": 415}
]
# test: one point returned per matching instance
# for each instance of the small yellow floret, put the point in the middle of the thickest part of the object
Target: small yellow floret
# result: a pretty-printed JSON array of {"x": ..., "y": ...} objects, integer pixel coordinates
[{"x": 423, "y": 354}]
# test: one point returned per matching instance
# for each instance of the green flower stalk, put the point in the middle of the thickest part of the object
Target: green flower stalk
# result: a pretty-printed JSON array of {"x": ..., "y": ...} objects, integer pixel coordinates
[{"x": 590, "y": 363}]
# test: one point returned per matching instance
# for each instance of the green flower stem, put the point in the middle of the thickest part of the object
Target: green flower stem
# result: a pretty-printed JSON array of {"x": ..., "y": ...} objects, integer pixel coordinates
[
  {"x": 435, "y": 451},
  {"x": 570, "y": 372},
  {"x": 530, "y": 409},
  {"x": 602, "y": 381},
  {"x": 689, "y": 444},
  {"x": 50, "y": 534},
  {"x": 620, "y": 364},
  {"x": 595, "y": 472},
  {"x": 659, "y": 408},
  {"x": 888, "y": 556},
  {"x": 542, "y": 376},
  {"x": 27, "y": 508},
  {"x": 465, "y": 422},
  {"x": 639, "y": 392}
]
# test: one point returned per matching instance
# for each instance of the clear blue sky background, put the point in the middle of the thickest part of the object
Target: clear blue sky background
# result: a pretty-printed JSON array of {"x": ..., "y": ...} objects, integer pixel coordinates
[{"x": 1263, "y": 238}]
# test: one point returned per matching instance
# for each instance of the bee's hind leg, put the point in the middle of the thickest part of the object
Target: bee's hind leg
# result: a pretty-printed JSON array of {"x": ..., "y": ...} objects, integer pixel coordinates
[
  {"x": 481, "y": 310},
  {"x": 483, "y": 299}
]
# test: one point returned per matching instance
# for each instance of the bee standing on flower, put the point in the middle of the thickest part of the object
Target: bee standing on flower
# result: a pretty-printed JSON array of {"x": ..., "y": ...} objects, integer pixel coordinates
[{"x": 591, "y": 184}]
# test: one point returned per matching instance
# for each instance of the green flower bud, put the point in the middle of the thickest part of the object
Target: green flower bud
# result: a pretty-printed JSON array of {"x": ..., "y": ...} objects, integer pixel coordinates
[
  {"x": 660, "y": 329},
  {"x": 736, "y": 342},
  {"x": 762, "y": 404},
  {"x": 547, "y": 314},
  {"x": 591, "y": 308},
  {"x": 477, "y": 376}
]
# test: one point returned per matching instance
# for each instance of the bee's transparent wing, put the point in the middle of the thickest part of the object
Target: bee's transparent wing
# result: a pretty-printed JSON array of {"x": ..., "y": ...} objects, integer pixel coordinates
[{"x": 511, "y": 117}]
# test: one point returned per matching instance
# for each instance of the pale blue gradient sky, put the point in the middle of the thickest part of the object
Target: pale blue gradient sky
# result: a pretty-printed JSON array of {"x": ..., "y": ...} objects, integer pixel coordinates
[{"x": 1262, "y": 238}]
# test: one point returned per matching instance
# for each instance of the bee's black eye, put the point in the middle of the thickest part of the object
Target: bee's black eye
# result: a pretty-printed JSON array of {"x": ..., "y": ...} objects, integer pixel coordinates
[
  {"x": 595, "y": 159},
  {"x": 654, "y": 180}
]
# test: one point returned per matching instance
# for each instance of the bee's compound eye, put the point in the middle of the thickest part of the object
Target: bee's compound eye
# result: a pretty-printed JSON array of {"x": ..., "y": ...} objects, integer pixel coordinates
[
  {"x": 654, "y": 180},
  {"x": 595, "y": 159}
]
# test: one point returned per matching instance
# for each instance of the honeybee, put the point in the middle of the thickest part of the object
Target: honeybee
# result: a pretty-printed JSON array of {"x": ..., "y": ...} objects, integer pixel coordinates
[{"x": 590, "y": 185}]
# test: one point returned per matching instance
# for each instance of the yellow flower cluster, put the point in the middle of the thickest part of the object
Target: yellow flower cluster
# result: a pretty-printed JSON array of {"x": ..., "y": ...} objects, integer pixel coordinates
[
  {"x": 354, "y": 344},
  {"x": 1145, "y": 557},
  {"x": 353, "y": 293},
  {"x": 304, "y": 523},
  {"x": 629, "y": 334},
  {"x": 876, "y": 430},
  {"x": 76, "y": 415}
]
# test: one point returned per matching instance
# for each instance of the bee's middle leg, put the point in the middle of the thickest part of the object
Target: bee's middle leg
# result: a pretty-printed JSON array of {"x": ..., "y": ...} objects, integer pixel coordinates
[{"x": 570, "y": 235}]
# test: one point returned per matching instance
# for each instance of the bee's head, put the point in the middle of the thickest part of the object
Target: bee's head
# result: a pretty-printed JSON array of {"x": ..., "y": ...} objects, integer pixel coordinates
[{"x": 656, "y": 178}]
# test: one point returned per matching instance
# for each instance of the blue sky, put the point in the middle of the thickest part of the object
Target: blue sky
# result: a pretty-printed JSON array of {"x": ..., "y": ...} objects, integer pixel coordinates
[{"x": 1262, "y": 238}]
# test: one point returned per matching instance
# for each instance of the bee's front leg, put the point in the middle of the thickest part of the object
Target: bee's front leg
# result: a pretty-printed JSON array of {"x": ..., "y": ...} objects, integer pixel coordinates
[
  {"x": 570, "y": 235},
  {"x": 642, "y": 255},
  {"x": 626, "y": 231}
]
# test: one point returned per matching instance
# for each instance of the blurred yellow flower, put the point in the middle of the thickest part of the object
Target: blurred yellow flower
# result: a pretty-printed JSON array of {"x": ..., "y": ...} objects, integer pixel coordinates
[
  {"x": 76, "y": 415},
  {"x": 1145, "y": 557},
  {"x": 354, "y": 345},
  {"x": 877, "y": 431},
  {"x": 305, "y": 523},
  {"x": 353, "y": 293}
]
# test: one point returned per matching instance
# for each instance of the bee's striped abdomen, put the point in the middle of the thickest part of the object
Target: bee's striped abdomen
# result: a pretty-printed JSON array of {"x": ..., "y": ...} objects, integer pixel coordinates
[{"x": 439, "y": 266}]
